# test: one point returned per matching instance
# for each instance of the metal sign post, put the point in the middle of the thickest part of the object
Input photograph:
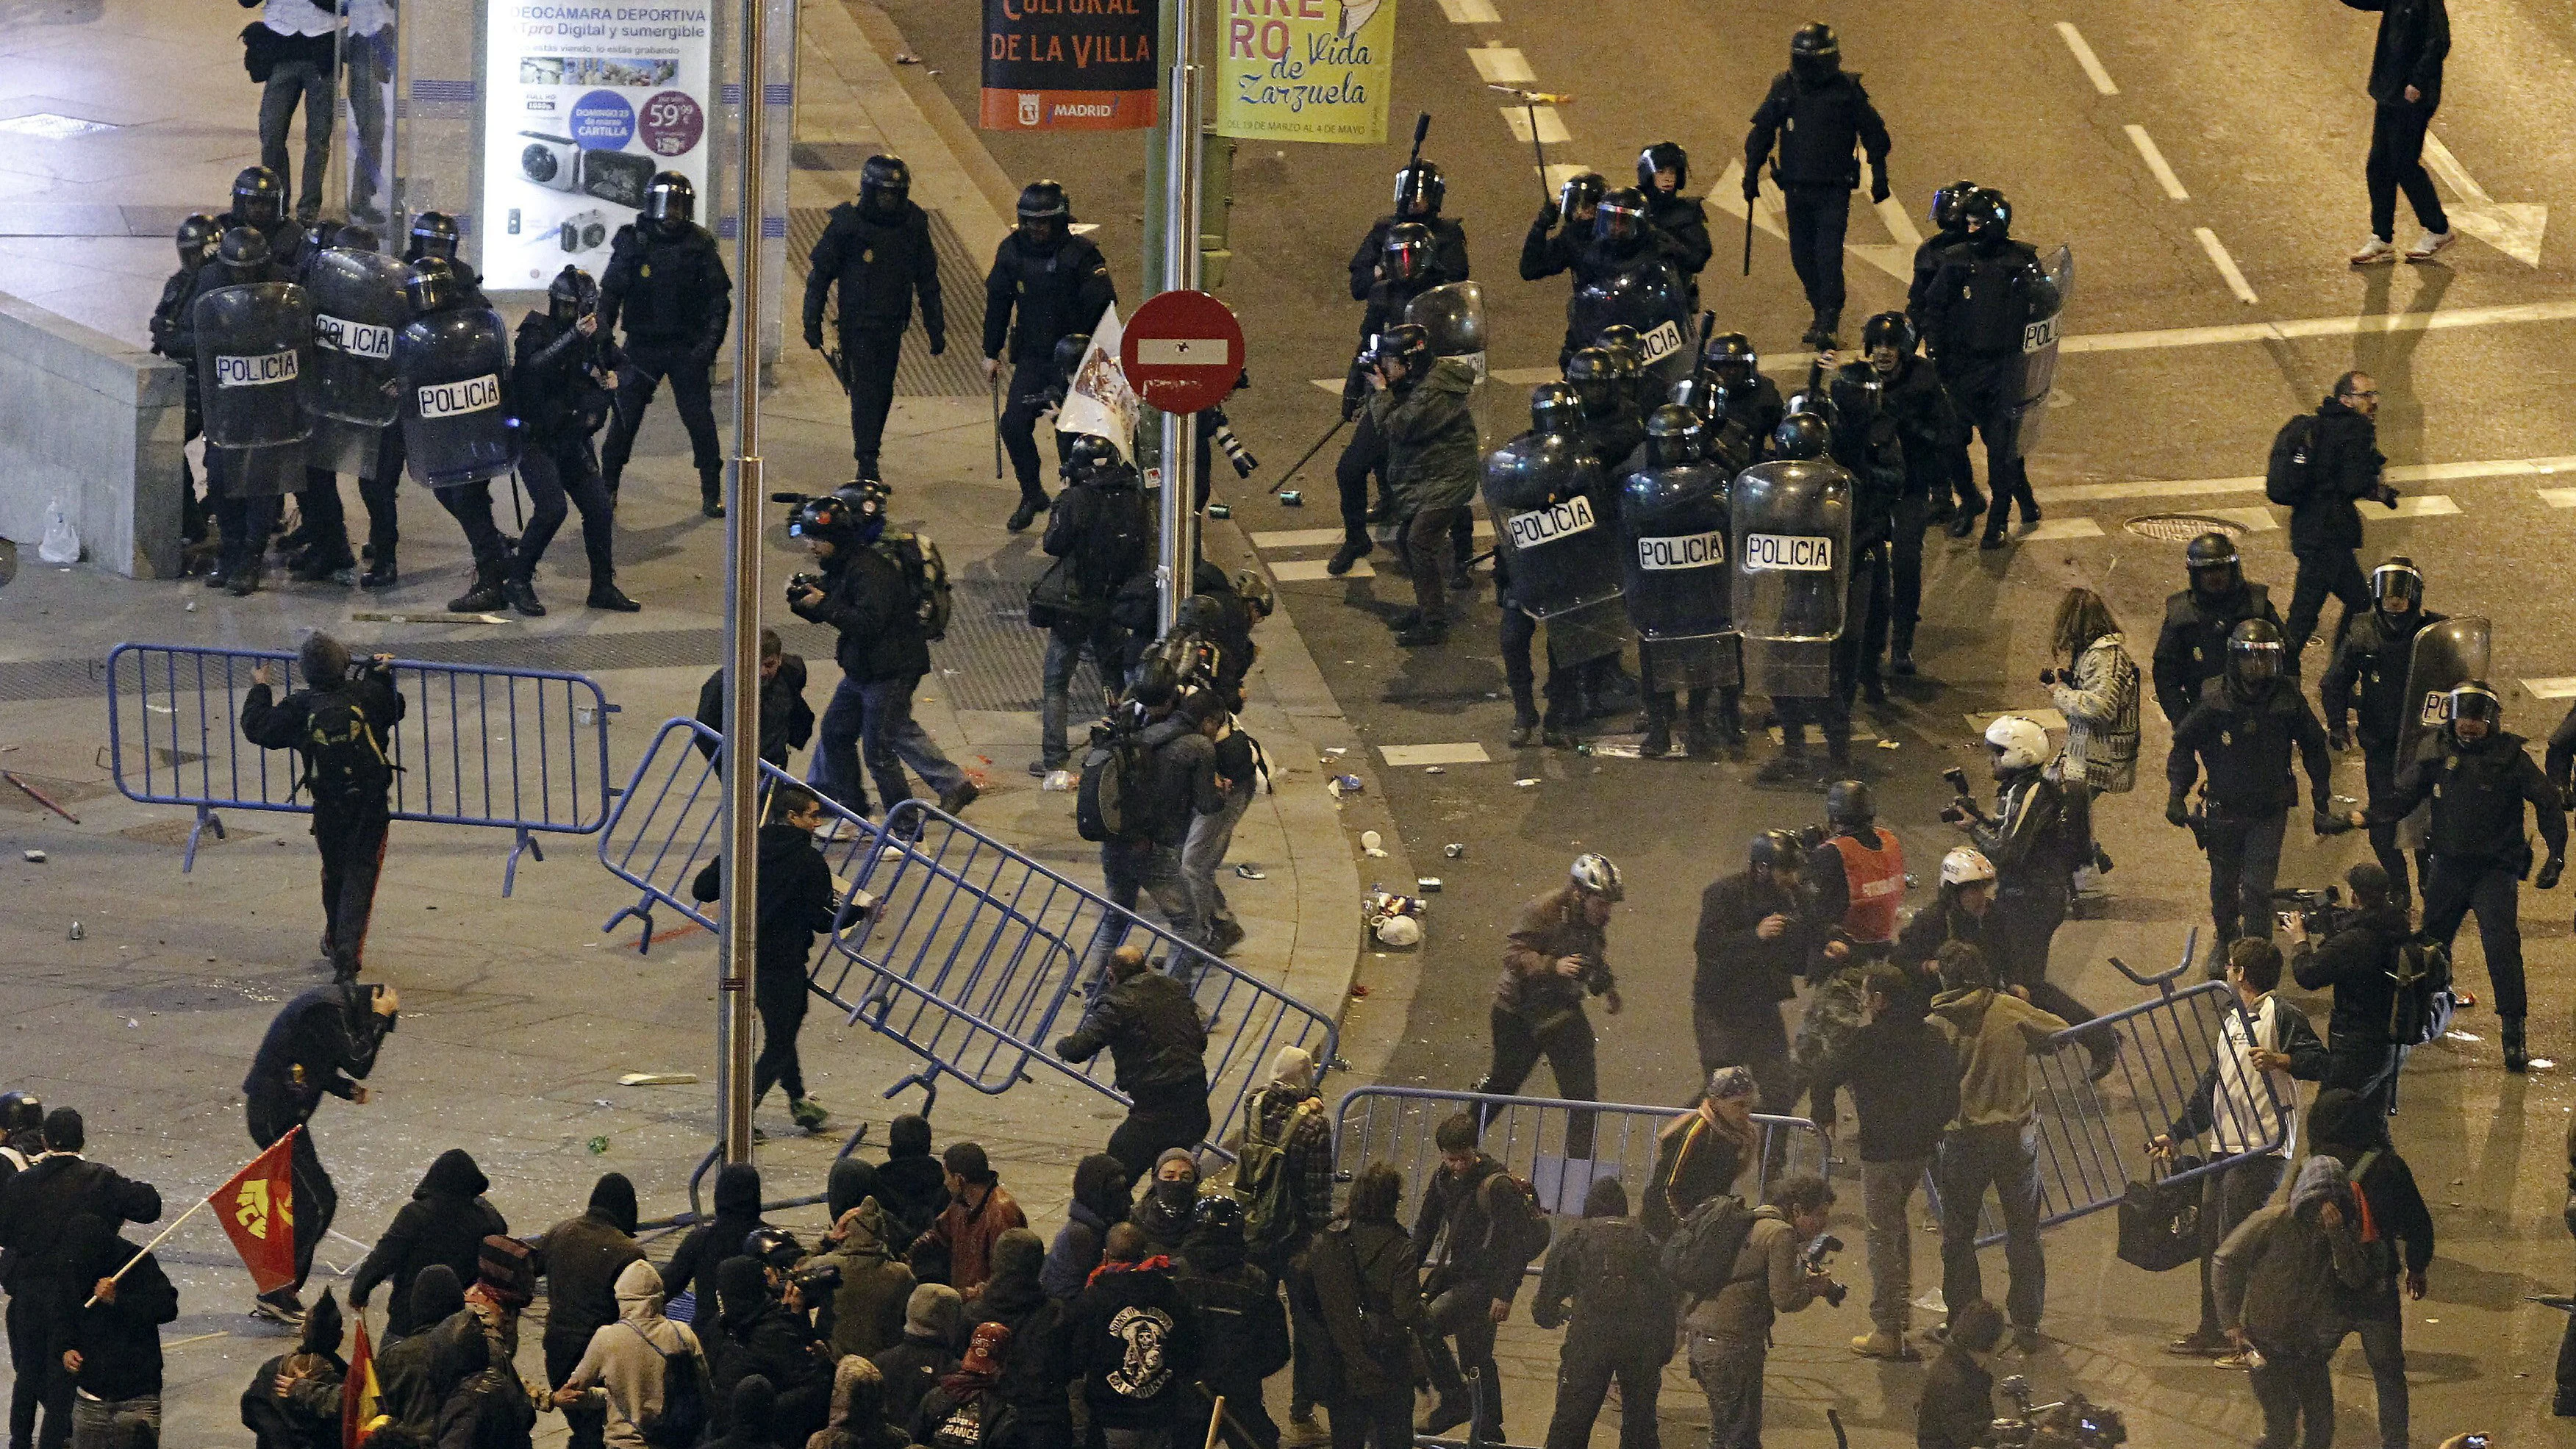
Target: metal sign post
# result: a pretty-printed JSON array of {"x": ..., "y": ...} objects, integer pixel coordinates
[
  {"x": 742, "y": 625},
  {"x": 1180, "y": 530}
]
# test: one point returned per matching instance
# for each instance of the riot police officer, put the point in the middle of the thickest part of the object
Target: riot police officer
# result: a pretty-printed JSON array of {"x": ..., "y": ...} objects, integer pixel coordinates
[
  {"x": 259, "y": 202},
  {"x": 1419, "y": 190},
  {"x": 1603, "y": 383},
  {"x": 2241, "y": 733},
  {"x": 1409, "y": 266},
  {"x": 667, "y": 281},
  {"x": 196, "y": 238},
  {"x": 2192, "y": 648},
  {"x": 1949, "y": 228},
  {"x": 1679, "y": 222},
  {"x": 434, "y": 234},
  {"x": 1550, "y": 249},
  {"x": 1911, "y": 398},
  {"x": 358, "y": 302},
  {"x": 1550, "y": 473},
  {"x": 1986, "y": 291},
  {"x": 1672, "y": 522},
  {"x": 878, "y": 252},
  {"x": 2479, "y": 779},
  {"x": 563, "y": 385},
  {"x": 245, "y": 482},
  {"x": 1630, "y": 295},
  {"x": 1815, "y": 112},
  {"x": 1060, "y": 285},
  {"x": 1791, "y": 518},
  {"x": 478, "y": 445},
  {"x": 2368, "y": 675},
  {"x": 1865, "y": 443},
  {"x": 1753, "y": 404}
]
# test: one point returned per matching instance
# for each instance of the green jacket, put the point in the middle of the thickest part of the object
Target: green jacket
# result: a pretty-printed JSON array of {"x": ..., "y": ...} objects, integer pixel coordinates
[
  {"x": 1433, "y": 455},
  {"x": 1994, "y": 1033}
]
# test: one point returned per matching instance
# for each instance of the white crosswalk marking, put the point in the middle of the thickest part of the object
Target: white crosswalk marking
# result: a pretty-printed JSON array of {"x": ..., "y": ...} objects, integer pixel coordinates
[
  {"x": 2226, "y": 264},
  {"x": 1470, "y": 12},
  {"x": 2254, "y": 520},
  {"x": 2558, "y": 497},
  {"x": 1551, "y": 126},
  {"x": 1319, "y": 537},
  {"x": 2414, "y": 505},
  {"x": 1501, "y": 65},
  {"x": 1309, "y": 570},
  {"x": 2052, "y": 529}
]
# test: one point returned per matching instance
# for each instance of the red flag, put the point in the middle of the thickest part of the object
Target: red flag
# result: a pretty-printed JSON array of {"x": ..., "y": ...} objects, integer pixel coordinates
[
  {"x": 358, "y": 1393},
  {"x": 258, "y": 1211}
]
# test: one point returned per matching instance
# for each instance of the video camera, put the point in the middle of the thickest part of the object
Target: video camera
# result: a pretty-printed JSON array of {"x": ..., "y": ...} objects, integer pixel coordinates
[
  {"x": 2321, "y": 912},
  {"x": 1817, "y": 1258},
  {"x": 2076, "y": 1423},
  {"x": 816, "y": 1282}
]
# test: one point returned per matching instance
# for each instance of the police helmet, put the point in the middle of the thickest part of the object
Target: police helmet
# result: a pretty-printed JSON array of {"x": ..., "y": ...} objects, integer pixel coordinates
[
  {"x": 356, "y": 237},
  {"x": 1849, "y": 804},
  {"x": 1621, "y": 217},
  {"x": 197, "y": 236},
  {"x": 1966, "y": 867},
  {"x": 2397, "y": 586},
  {"x": 2017, "y": 744},
  {"x": 1596, "y": 377},
  {"x": 1801, "y": 435},
  {"x": 433, "y": 286},
  {"x": 1987, "y": 211},
  {"x": 259, "y": 198},
  {"x": 1218, "y": 1212},
  {"x": 21, "y": 1112},
  {"x": 1094, "y": 460},
  {"x": 1700, "y": 393},
  {"x": 1593, "y": 872},
  {"x": 1555, "y": 407},
  {"x": 772, "y": 1247},
  {"x": 1582, "y": 189},
  {"x": 1254, "y": 589},
  {"x": 1814, "y": 52},
  {"x": 885, "y": 184},
  {"x": 1729, "y": 357},
  {"x": 1408, "y": 253},
  {"x": 1673, "y": 436},
  {"x": 670, "y": 202},
  {"x": 2210, "y": 559},
  {"x": 2476, "y": 699},
  {"x": 244, "y": 250},
  {"x": 1069, "y": 348},
  {"x": 1423, "y": 178},
  {"x": 571, "y": 296},
  {"x": 1624, "y": 343},
  {"x": 1663, "y": 156},
  {"x": 1888, "y": 329},
  {"x": 433, "y": 234},
  {"x": 1946, "y": 204},
  {"x": 2254, "y": 653},
  {"x": 1778, "y": 849},
  {"x": 1407, "y": 343}
]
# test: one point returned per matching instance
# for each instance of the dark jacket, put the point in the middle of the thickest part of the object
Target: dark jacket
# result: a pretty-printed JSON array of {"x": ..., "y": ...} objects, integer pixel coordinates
[
  {"x": 2280, "y": 1275},
  {"x": 446, "y": 1222},
  {"x": 2356, "y": 964},
  {"x": 786, "y": 720},
  {"x": 911, "y": 1367},
  {"x": 1058, "y": 292},
  {"x": 555, "y": 387},
  {"x": 324, "y": 1040},
  {"x": 307, "y": 1415},
  {"x": 692, "y": 1268},
  {"x": 914, "y": 1192},
  {"x": 1034, "y": 1376},
  {"x": 2349, "y": 1128},
  {"x": 2036, "y": 837},
  {"x": 2478, "y": 793},
  {"x": 1100, "y": 1202},
  {"x": 2245, "y": 745},
  {"x": 1623, "y": 1306},
  {"x": 1983, "y": 292},
  {"x": 1551, "y": 927},
  {"x": 1370, "y": 1270},
  {"x": 1184, "y": 779},
  {"x": 2561, "y": 767},
  {"x": 1925, "y": 422},
  {"x": 1815, "y": 126},
  {"x": 2366, "y": 682},
  {"x": 2191, "y": 649},
  {"x": 1097, "y": 574},
  {"x": 1154, "y": 1033},
  {"x": 582, "y": 1258},
  {"x": 1920, "y": 939},
  {"x": 37, "y": 1207},
  {"x": 414, "y": 1375},
  {"x": 1681, "y": 233},
  {"x": 868, "y": 599},
  {"x": 1694, "y": 1161},
  {"x": 673, "y": 291},
  {"x": 1448, "y": 248},
  {"x": 488, "y": 1408},
  {"x": 1136, "y": 1343},
  {"x": 1927, "y": 262},
  {"x": 756, "y": 1334},
  {"x": 878, "y": 265},
  {"x": 1739, "y": 973},
  {"x": 286, "y": 724},
  {"x": 1904, "y": 1079},
  {"x": 2414, "y": 36},
  {"x": 1549, "y": 248},
  {"x": 119, "y": 1342},
  {"x": 1958, "y": 1405},
  {"x": 1456, "y": 1223},
  {"x": 1243, "y": 1327},
  {"x": 2343, "y": 469},
  {"x": 796, "y": 902}
]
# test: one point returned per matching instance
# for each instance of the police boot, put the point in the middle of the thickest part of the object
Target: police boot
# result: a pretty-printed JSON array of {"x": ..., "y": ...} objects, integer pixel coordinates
[
  {"x": 1791, "y": 764},
  {"x": 1659, "y": 727},
  {"x": 485, "y": 597},
  {"x": 711, "y": 492},
  {"x": 1730, "y": 723},
  {"x": 1900, "y": 652},
  {"x": 1972, "y": 504},
  {"x": 2515, "y": 1058},
  {"x": 380, "y": 573},
  {"x": 1698, "y": 740},
  {"x": 1552, "y": 726},
  {"x": 519, "y": 586},
  {"x": 244, "y": 579},
  {"x": 1524, "y": 716}
]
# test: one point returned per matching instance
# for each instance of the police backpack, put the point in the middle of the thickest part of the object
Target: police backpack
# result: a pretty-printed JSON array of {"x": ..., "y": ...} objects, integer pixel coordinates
[{"x": 2292, "y": 469}]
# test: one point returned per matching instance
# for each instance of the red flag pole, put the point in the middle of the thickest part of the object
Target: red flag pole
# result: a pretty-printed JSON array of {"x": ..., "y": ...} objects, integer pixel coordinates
[{"x": 147, "y": 1248}]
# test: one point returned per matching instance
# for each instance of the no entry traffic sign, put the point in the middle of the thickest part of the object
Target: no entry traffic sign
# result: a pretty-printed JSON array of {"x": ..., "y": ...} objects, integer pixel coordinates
[{"x": 1182, "y": 351}]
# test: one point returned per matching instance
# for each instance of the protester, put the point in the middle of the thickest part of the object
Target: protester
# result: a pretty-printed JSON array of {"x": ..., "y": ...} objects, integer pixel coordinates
[
  {"x": 1753, "y": 942},
  {"x": 1243, "y": 1329},
  {"x": 42, "y": 1273},
  {"x": 2388, "y": 1209},
  {"x": 1699, "y": 1154},
  {"x": 797, "y": 902},
  {"x": 342, "y": 723},
  {"x": 1034, "y": 1376},
  {"x": 1367, "y": 1286},
  {"x": 786, "y": 721},
  {"x": 965, "y": 1409},
  {"x": 445, "y": 1222},
  {"x": 487, "y": 1407},
  {"x": 1100, "y": 1202},
  {"x": 761, "y": 1335},
  {"x": 1994, "y": 1034},
  {"x": 751, "y": 1417},
  {"x": 1157, "y": 1039},
  {"x": 1904, "y": 1080},
  {"x": 324, "y": 1041},
  {"x": 293, "y": 1401},
  {"x": 934, "y": 1324},
  {"x": 1729, "y": 1333},
  {"x": 958, "y": 1248},
  {"x": 692, "y": 1268},
  {"x": 624, "y": 1372},
  {"x": 858, "y": 1410},
  {"x": 414, "y": 1372},
  {"x": 1619, "y": 1329},
  {"x": 2279, "y": 1277},
  {"x": 1136, "y": 1343},
  {"x": 112, "y": 1347},
  {"x": 912, "y": 1185},
  {"x": 583, "y": 1259},
  {"x": 1170, "y": 1204},
  {"x": 867, "y": 1308},
  {"x": 1475, "y": 1208}
]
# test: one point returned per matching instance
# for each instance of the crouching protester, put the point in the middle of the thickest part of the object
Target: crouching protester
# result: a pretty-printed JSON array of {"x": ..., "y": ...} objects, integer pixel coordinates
[{"x": 2281, "y": 1277}]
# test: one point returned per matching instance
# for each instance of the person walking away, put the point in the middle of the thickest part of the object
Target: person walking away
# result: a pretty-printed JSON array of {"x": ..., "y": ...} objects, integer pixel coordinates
[
  {"x": 293, "y": 1401},
  {"x": 786, "y": 721},
  {"x": 1283, "y": 1175},
  {"x": 1475, "y": 1220},
  {"x": 324, "y": 1041},
  {"x": 2097, "y": 692},
  {"x": 2367, "y": 679},
  {"x": 667, "y": 280},
  {"x": 2405, "y": 89},
  {"x": 1367, "y": 1282},
  {"x": 1241, "y": 773},
  {"x": 294, "y": 55},
  {"x": 1904, "y": 1080},
  {"x": 625, "y": 1373},
  {"x": 2388, "y": 1209},
  {"x": 1986, "y": 293},
  {"x": 1611, "y": 1269},
  {"x": 934, "y": 1325},
  {"x": 2479, "y": 778},
  {"x": 692, "y": 1269},
  {"x": 1957, "y": 1410},
  {"x": 2279, "y": 1278},
  {"x": 1243, "y": 1328},
  {"x": 1753, "y": 941},
  {"x": 1729, "y": 1332},
  {"x": 342, "y": 722},
  {"x": 1034, "y": 1379},
  {"x": 797, "y": 901},
  {"x": 1157, "y": 1041},
  {"x": 112, "y": 1349},
  {"x": 2242, "y": 732},
  {"x": 1991, "y": 1142},
  {"x": 445, "y": 1222},
  {"x": 1816, "y": 112},
  {"x": 858, "y": 1411},
  {"x": 1701, "y": 1153},
  {"x": 1059, "y": 285},
  {"x": 1556, "y": 954},
  {"x": 1100, "y": 1202},
  {"x": 1137, "y": 1344},
  {"x": 1170, "y": 1206},
  {"x": 2191, "y": 648},
  {"x": 2359, "y": 964},
  {"x": 2248, "y": 1105},
  {"x": 1176, "y": 748},
  {"x": 39, "y": 1268},
  {"x": 877, "y": 252},
  {"x": 2334, "y": 463},
  {"x": 583, "y": 1258},
  {"x": 958, "y": 1247},
  {"x": 1101, "y": 536},
  {"x": 1432, "y": 464},
  {"x": 563, "y": 381}
]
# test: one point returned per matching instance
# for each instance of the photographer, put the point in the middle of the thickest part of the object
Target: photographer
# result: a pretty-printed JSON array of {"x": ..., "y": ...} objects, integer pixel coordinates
[
  {"x": 2358, "y": 963},
  {"x": 1101, "y": 535},
  {"x": 766, "y": 1331},
  {"x": 2342, "y": 468},
  {"x": 342, "y": 723},
  {"x": 1558, "y": 953},
  {"x": 1730, "y": 1332},
  {"x": 1958, "y": 1405}
]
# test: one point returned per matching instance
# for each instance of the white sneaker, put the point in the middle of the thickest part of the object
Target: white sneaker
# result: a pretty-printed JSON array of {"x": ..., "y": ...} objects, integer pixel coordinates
[
  {"x": 2374, "y": 251},
  {"x": 2430, "y": 243}
]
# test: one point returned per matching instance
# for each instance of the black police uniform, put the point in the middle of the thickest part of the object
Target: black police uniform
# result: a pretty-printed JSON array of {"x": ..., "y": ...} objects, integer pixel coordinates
[
  {"x": 1753, "y": 412},
  {"x": 2479, "y": 853},
  {"x": 1060, "y": 289},
  {"x": 1815, "y": 123},
  {"x": 1678, "y": 226},
  {"x": 2367, "y": 677},
  {"x": 1875, "y": 458},
  {"x": 677, "y": 299},
  {"x": 246, "y": 523},
  {"x": 1984, "y": 292},
  {"x": 2325, "y": 528},
  {"x": 176, "y": 294},
  {"x": 879, "y": 264},
  {"x": 2192, "y": 648},
  {"x": 1448, "y": 248},
  {"x": 1915, "y": 403},
  {"x": 2245, "y": 741},
  {"x": 555, "y": 389},
  {"x": 381, "y": 490},
  {"x": 1366, "y": 453},
  {"x": 1960, "y": 477}
]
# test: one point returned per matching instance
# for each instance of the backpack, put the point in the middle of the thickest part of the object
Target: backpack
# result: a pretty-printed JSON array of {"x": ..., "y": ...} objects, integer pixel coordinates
[
  {"x": 1118, "y": 540},
  {"x": 682, "y": 1420},
  {"x": 1517, "y": 1231},
  {"x": 343, "y": 758},
  {"x": 1109, "y": 804},
  {"x": 2292, "y": 470},
  {"x": 2420, "y": 1009},
  {"x": 1700, "y": 1255},
  {"x": 1262, "y": 1182},
  {"x": 927, "y": 575},
  {"x": 1632, "y": 1276}
]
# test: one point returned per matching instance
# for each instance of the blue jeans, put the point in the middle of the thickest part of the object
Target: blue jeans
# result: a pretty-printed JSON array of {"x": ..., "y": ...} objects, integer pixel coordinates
[
  {"x": 873, "y": 719},
  {"x": 1065, "y": 645},
  {"x": 1128, "y": 870},
  {"x": 1204, "y": 851},
  {"x": 1973, "y": 1159}
]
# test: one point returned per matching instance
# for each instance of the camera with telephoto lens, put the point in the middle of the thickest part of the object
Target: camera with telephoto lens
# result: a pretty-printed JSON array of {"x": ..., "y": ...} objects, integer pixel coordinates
[
  {"x": 816, "y": 1282},
  {"x": 1956, "y": 778},
  {"x": 1817, "y": 1258},
  {"x": 1245, "y": 465},
  {"x": 2076, "y": 1423},
  {"x": 2321, "y": 912},
  {"x": 799, "y": 582}
]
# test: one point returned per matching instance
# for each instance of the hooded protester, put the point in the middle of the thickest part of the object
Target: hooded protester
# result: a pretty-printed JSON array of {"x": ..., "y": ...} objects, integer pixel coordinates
[
  {"x": 1284, "y": 1177},
  {"x": 445, "y": 1222},
  {"x": 1623, "y": 1306},
  {"x": 958, "y": 1249},
  {"x": 852, "y": 1181},
  {"x": 584, "y": 1259},
  {"x": 1100, "y": 1202},
  {"x": 1171, "y": 1201},
  {"x": 1243, "y": 1330},
  {"x": 2280, "y": 1277},
  {"x": 1033, "y": 1375},
  {"x": 867, "y": 1308},
  {"x": 488, "y": 1408},
  {"x": 760, "y": 1337},
  {"x": 2388, "y": 1210},
  {"x": 1135, "y": 1341},
  {"x": 415, "y": 1375},
  {"x": 911, "y": 1183},
  {"x": 624, "y": 1370},
  {"x": 751, "y": 1417},
  {"x": 36, "y": 1208},
  {"x": 967, "y": 1410},
  {"x": 111, "y": 1348},
  {"x": 858, "y": 1410},
  {"x": 293, "y": 1401},
  {"x": 324, "y": 1042},
  {"x": 933, "y": 1325},
  {"x": 692, "y": 1269}
]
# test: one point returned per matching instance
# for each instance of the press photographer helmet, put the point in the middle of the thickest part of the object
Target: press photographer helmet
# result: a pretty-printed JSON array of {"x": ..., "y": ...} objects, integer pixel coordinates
[
  {"x": 1594, "y": 872},
  {"x": 1777, "y": 849},
  {"x": 1966, "y": 867},
  {"x": 772, "y": 1248},
  {"x": 845, "y": 517},
  {"x": 2017, "y": 744}
]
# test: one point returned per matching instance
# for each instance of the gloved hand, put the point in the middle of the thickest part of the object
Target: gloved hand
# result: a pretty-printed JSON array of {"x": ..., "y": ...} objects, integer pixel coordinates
[
  {"x": 2386, "y": 497},
  {"x": 1953, "y": 815},
  {"x": 2329, "y": 823},
  {"x": 938, "y": 344},
  {"x": 1547, "y": 215},
  {"x": 1752, "y": 186},
  {"x": 2176, "y": 811},
  {"x": 2550, "y": 870},
  {"x": 814, "y": 336},
  {"x": 2339, "y": 738},
  {"x": 2048, "y": 676},
  {"x": 1878, "y": 189}
]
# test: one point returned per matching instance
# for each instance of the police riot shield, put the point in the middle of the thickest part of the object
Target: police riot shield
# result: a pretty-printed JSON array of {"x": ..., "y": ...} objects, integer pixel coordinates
[
  {"x": 2049, "y": 297},
  {"x": 1791, "y": 521},
  {"x": 1454, "y": 315},
  {"x": 1555, "y": 533},
  {"x": 1649, "y": 295},
  {"x": 254, "y": 348},
  {"x": 2446, "y": 654},
  {"x": 358, "y": 308},
  {"x": 1673, "y": 551},
  {"x": 456, "y": 429}
]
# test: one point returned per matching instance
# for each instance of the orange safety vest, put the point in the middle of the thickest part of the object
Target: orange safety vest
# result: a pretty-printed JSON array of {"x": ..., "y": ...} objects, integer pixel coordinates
[{"x": 1874, "y": 882}]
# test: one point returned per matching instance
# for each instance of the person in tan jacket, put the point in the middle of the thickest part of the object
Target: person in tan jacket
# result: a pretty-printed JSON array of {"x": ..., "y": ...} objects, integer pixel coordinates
[
  {"x": 1730, "y": 1332},
  {"x": 1994, "y": 1033}
]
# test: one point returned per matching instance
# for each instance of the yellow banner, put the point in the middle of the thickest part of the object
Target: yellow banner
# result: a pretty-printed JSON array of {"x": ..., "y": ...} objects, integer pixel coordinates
[{"x": 1306, "y": 70}]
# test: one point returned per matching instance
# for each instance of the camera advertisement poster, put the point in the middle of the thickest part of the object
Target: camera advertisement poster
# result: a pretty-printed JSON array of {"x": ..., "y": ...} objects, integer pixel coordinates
[
  {"x": 1069, "y": 65},
  {"x": 583, "y": 103},
  {"x": 1307, "y": 70}
]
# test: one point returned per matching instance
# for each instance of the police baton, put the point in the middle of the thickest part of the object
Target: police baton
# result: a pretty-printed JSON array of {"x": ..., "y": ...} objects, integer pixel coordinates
[
  {"x": 993, "y": 390},
  {"x": 1748, "y": 237},
  {"x": 840, "y": 366},
  {"x": 1338, "y": 425},
  {"x": 1530, "y": 102}
]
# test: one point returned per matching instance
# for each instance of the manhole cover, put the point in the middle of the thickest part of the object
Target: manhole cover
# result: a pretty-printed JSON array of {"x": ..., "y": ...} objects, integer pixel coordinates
[
  {"x": 52, "y": 126},
  {"x": 2182, "y": 527}
]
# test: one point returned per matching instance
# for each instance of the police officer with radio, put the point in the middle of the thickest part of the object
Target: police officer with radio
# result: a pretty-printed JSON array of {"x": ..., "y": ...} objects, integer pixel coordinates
[
  {"x": 878, "y": 252},
  {"x": 669, "y": 283},
  {"x": 2191, "y": 650},
  {"x": 1985, "y": 292},
  {"x": 2479, "y": 779},
  {"x": 2368, "y": 678},
  {"x": 563, "y": 384},
  {"x": 2241, "y": 732},
  {"x": 1815, "y": 112},
  {"x": 1949, "y": 220},
  {"x": 1419, "y": 190},
  {"x": 1679, "y": 223}
]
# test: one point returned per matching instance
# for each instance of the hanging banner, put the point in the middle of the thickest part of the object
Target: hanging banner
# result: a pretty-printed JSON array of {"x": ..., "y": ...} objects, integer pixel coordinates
[
  {"x": 1307, "y": 70},
  {"x": 1098, "y": 399},
  {"x": 1069, "y": 65},
  {"x": 582, "y": 104}
]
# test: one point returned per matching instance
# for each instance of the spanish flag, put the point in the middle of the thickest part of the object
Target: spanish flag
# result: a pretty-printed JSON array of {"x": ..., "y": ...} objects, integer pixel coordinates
[
  {"x": 358, "y": 1393},
  {"x": 258, "y": 1210}
]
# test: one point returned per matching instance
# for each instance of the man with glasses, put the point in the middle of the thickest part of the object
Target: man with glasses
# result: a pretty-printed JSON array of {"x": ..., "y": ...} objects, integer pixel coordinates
[{"x": 2333, "y": 469}]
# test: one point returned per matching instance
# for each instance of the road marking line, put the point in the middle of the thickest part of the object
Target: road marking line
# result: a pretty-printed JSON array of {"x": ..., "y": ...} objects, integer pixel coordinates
[
  {"x": 2084, "y": 57},
  {"x": 1470, "y": 12},
  {"x": 2226, "y": 264},
  {"x": 1318, "y": 537},
  {"x": 2148, "y": 488},
  {"x": 2164, "y": 174},
  {"x": 2418, "y": 505},
  {"x": 1900, "y": 224},
  {"x": 2255, "y": 520},
  {"x": 1560, "y": 172},
  {"x": 1310, "y": 570},
  {"x": 1501, "y": 65},
  {"x": 1551, "y": 126},
  {"x": 2559, "y": 687},
  {"x": 2057, "y": 528},
  {"x": 2558, "y": 497},
  {"x": 1469, "y": 753},
  {"x": 2439, "y": 160}
]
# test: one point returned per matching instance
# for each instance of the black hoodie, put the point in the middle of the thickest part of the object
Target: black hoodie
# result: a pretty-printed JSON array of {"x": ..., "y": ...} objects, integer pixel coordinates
[
  {"x": 1243, "y": 1328},
  {"x": 2356, "y": 963},
  {"x": 446, "y": 1222},
  {"x": 414, "y": 1374},
  {"x": 120, "y": 1342},
  {"x": 307, "y": 1415},
  {"x": 581, "y": 1259},
  {"x": 325, "y": 1040},
  {"x": 912, "y": 1185},
  {"x": 795, "y": 903},
  {"x": 1033, "y": 1373},
  {"x": 2347, "y": 1127},
  {"x": 758, "y": 1336},
  {"x": 1135, "y": 1341},
  {"x": 693, "y": 1267}
]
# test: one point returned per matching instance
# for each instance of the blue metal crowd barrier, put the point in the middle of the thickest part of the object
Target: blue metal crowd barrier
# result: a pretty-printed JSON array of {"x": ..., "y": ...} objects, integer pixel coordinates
[
  {"x": 1396, "y": 1125},
  {"x": 524, "y": 750}
]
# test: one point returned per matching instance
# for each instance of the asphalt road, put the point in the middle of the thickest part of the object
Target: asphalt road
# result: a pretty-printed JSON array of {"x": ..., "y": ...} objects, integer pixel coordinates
[{"x": 2258, "y": 115}]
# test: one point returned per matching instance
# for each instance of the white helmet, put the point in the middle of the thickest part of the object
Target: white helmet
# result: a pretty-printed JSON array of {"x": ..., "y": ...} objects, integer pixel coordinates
[
  {"x": 2022, "y": 743},
  {"x": 1595, "y": 873},
  {"x": 1965, "y": 866}
]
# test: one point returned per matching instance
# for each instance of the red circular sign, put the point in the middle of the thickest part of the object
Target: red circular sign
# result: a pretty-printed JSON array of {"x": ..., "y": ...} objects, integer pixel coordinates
[
  {"x": 1182, "y": 351},
  {"x": 671, "y": 123}
]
